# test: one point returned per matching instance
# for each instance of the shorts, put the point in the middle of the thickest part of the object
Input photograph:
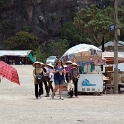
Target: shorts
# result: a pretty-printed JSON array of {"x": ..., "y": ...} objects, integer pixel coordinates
[{"x": 58, "y": 82}]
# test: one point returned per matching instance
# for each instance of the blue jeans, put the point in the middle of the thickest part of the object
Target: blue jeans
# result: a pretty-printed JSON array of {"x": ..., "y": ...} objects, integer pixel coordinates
[{"x": 58, "y": 82}]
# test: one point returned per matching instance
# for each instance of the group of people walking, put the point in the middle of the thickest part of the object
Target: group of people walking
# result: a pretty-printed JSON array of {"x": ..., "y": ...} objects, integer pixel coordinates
[{"x": 57, "y": 74}]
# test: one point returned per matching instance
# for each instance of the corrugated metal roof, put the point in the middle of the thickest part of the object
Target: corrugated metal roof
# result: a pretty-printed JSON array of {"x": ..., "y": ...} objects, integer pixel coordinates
[
  {"x": 21, "y": 53},
  {"x": 121, "y": 43},
  {"x": 111, "y": 43},
  {"x": 111, "y": 54}
]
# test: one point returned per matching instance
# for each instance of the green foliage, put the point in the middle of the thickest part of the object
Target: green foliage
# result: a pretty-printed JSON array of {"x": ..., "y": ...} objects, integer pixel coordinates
[
  {"x": 6, "y": 27},
  {"x": 73, "y": 34},
  {"x": 22, "y": 41},
  {"x": 26, "y": 28},
  {"x": 53, "y": 48},
  {"x": 53, "y": 17},
  {"x": 40, "y": 55},
  {"x": 3, "y": 3},
  {"x": 56, "y": 48},
  {"x": 95, "y": 22},
  {"x": 71, "y": 9},
  {"x": 121, "y": 19}
]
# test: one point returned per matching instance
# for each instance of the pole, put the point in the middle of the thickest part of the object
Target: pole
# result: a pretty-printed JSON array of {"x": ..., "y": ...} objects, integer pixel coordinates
[
  {"x": 103, "y": 49},
  {"x": 115, "y": 47}
]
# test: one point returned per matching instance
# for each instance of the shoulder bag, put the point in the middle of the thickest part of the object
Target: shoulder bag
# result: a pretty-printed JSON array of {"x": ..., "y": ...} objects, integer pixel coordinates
[
  {"x": 39, "y": 77},
  {"x": 74, "y": 79}
]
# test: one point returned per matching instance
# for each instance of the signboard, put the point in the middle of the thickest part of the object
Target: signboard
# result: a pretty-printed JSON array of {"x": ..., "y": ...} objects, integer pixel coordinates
[
  {"x": 112, "y": 27},
  {"x": 90, "y": 83}
]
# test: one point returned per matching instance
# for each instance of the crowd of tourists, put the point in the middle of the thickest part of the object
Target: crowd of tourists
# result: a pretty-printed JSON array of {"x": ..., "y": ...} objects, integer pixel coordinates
[{"x": 58, "y": 74}]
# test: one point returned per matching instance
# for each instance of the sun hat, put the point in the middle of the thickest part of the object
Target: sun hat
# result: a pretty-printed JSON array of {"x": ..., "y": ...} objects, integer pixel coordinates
[
  {"x": 42, "y": 63},
  {"x": 68, "y": 62},
  {"x": 50, "y": 65},
  {"x": 65, "y": 66},
  {"x": 75, "y": 64},
  {"x": 36, "y": 63}
]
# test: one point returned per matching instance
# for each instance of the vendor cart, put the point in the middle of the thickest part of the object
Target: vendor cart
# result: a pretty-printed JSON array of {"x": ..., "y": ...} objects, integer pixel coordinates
[
  {"x": 90, "y": 83},
  {"x": 87, "y": 57}
]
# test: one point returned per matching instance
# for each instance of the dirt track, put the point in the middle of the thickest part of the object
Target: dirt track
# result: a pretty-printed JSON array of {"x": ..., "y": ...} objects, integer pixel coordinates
[{"x": 19, "y": 106}]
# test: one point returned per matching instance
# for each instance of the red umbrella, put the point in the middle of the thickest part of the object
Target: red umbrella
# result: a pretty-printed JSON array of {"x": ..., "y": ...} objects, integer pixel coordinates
[{"x": 9, "y": 72}]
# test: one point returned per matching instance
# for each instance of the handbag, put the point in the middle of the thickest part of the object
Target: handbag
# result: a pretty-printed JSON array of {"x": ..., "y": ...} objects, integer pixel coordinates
[
  {"x": 70, "y": 88},
  {"x": 39, "y": 77},
  {"x": 74, "y": 79},
  {"x": 70, "y": 85}
]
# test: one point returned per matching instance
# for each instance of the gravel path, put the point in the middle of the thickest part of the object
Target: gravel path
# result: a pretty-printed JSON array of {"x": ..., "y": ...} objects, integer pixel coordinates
[{"x": 19, "y": 106}]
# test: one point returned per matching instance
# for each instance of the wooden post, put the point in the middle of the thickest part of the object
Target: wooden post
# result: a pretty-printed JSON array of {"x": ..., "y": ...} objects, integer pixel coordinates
[
  {"x": 116, "y": 47},
  {"x": 26, "y": 60}
]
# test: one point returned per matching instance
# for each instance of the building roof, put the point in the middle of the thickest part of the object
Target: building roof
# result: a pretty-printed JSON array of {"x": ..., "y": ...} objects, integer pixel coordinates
[
  {"x": 121, "y": 43},
  {"x": 111, "y": 55},
  {"x": 111, "y": 43},
  {"x": 21, "y": 53}
]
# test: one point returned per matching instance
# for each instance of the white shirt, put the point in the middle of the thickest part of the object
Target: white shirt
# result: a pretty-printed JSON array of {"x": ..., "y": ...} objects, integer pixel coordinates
[{"x": 51, "y": 75}]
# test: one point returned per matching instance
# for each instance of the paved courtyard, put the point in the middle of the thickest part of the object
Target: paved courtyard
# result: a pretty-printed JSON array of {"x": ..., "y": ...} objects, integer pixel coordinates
[{"x": 19, "y": 106}]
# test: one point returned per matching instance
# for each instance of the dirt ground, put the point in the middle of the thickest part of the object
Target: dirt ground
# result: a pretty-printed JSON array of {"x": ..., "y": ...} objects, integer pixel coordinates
[{"x": 19, "y": 106}]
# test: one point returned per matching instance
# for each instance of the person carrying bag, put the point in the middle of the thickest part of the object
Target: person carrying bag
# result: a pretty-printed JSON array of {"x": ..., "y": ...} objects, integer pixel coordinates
[
  {"x": 38, "y": 78},
  {"x": 50, "y": 76},
  {"x": 68, "y": 68},
  {"x": 73, "y": 76},
  {"x": 70, "y": 88}
]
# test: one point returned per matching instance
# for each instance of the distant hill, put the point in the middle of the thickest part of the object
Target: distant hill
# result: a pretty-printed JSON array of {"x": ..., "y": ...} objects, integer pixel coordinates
[{"x": 43, "y": 17}]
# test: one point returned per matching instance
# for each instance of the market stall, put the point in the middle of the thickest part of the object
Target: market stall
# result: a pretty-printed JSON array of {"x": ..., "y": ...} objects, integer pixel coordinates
[
  {"x": 90, "y": 83},
  {"x": 17, "y": 57},
  {"x": 110, "y": 83},
  {"x": 109, "y": 71},
  {"x": 87, "y": 57}
]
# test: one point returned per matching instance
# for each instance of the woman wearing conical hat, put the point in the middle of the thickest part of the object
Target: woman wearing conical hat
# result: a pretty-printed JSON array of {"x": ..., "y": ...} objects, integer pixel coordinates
[
  {"x": 68, "y": 68},
  {"x": 38, "y": 86},
  {"x": 73, "y": 75},
  {"x": 45, "y": 78}
]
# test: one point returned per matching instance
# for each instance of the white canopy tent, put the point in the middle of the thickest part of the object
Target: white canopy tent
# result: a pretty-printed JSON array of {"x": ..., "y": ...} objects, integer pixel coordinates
[
  {"x": 14, "y": 56},
  {"x": 82, "y": 52},
  {"x": 21, "y": 53}
]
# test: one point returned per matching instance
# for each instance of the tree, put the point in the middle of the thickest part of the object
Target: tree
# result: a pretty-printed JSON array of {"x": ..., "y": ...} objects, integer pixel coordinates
[
  {"x": 22, "y": 41},
  {"x": 53, "y": 48},
  {"x": 56, "y": 48},
  {"x": 121, "y": 21},
  {"x": 40, "y": 55},
  {"x": 96, "y": 21},
  {"x": 73, "y": 35}
]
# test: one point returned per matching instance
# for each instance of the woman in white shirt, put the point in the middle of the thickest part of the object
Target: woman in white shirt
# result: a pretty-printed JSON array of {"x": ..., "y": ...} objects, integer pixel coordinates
[{"x": 51, "y": 77}]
